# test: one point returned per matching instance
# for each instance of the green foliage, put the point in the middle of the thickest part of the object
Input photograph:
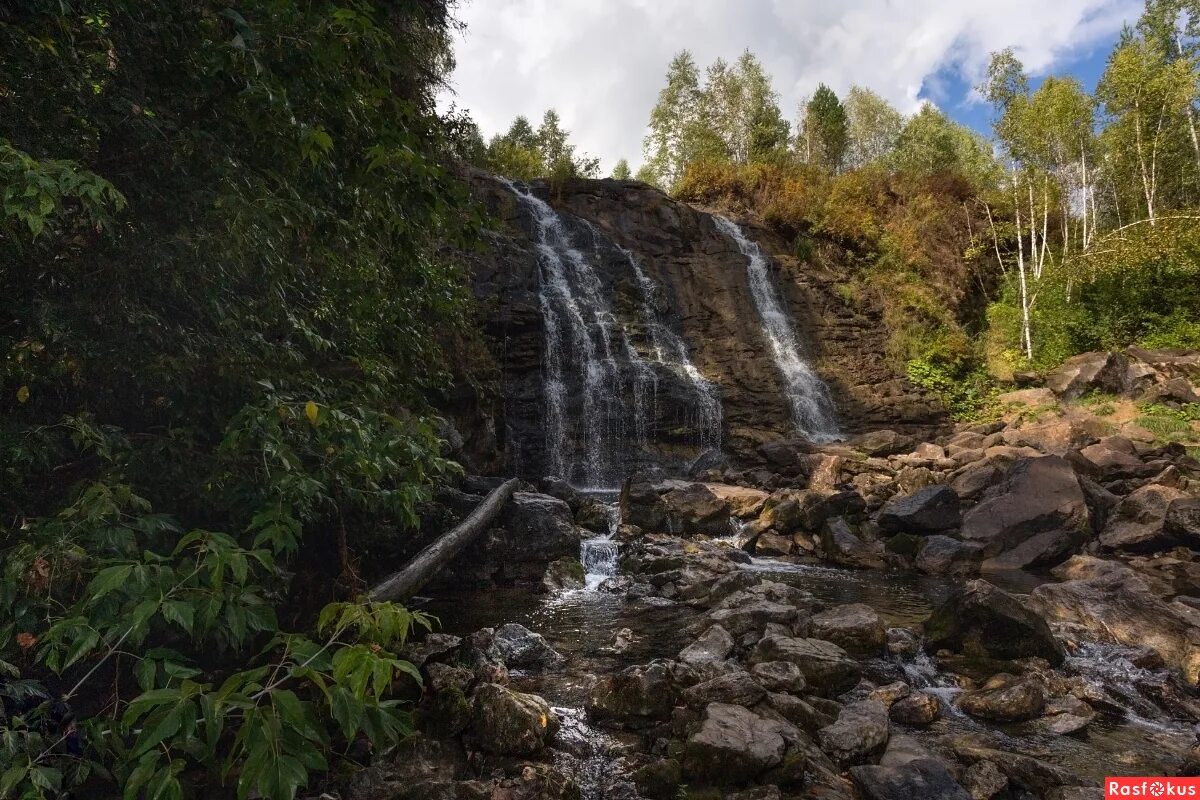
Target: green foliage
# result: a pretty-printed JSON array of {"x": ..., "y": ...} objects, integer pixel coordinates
[
  {"x": 968, "y": 394},
  {"x": 823, "y": 133},
  {"x": 1172, "y": 424},
  {"x": 525, "y": 154},
  {"x": 621, "y": 171},
  {"x": 873, "y": 126},
  {"x": 224, "y": 290},
  {"x": 733, "y": 116}
]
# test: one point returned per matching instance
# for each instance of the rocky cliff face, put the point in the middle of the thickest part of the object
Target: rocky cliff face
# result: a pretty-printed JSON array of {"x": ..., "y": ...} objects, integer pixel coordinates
[{"x": 701, "y": 292}]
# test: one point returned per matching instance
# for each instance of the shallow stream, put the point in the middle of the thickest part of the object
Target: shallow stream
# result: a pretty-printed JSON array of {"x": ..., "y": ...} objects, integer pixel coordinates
[{"x": 599, "y": 632}]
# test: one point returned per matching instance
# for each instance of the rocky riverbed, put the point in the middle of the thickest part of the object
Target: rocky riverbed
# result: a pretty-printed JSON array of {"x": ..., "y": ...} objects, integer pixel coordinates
[{"x": 1009, "y": 610}]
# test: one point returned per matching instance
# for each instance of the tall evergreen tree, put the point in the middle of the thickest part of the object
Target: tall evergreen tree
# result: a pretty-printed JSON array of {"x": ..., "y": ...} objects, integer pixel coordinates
[
  {"x": 621, "y": 171},
  {"x": 823, "y": 136}
]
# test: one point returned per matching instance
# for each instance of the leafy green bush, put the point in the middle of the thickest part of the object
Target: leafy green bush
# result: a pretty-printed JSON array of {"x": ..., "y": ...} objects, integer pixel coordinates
[
  {"x": 225, "y": 287},
  {"x": 967, "y": 393}
]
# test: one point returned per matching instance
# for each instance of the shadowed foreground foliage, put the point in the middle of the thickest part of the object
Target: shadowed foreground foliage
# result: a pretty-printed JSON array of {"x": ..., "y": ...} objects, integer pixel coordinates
[{"x": 220, "y": 301}]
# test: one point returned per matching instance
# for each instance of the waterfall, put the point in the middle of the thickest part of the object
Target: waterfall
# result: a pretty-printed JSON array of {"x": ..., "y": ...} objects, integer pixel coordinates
[
  {"x": 808, "y": 396},
  {"x": 672, "y": 354},
  {"x": 617, "y": 383}
]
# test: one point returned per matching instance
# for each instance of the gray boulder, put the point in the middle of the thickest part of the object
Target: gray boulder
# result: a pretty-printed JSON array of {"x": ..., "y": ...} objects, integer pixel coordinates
[
  {"x": 732, "y": 746},
  {"x": 1037, "y": 495},
  {"x": 694, "y": 508},
  {"x": 1110, "y": 602},
  {"x": 635, "y": 695},
  {"x": 521, "y": 648},
  {"x": 1182, "y": 521},
  {"x": 921, "y": 778},
  {"x": 854, "y": 627},
  {"x": 713, "y": 646},
  {"x": 827, "y": 668},
  {"x": 510, "y": 723},
  {"x": 841, "y": 546},
  {"x": 860, "y": 732},
  {"x": 642, "y": 506},
  {"x": 1089, "y": 372},
  {"x": 1005, "y": 698},
  {"x": 942, "y": 555},
  {"x": 979, "y": 619},
  {"x": 735, "y": 688},
  {"x": 779, "y": 676},
  {"x": 929, "y": 510},
  {"x": 1139, "y": 522},
  {"x": 917, "y": 709}
]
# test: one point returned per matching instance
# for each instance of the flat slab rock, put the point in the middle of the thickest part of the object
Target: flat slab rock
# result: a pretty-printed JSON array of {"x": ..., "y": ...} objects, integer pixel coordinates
[
  {"x": 919, "y": 779},
  {"x": 732, "y": 746}
]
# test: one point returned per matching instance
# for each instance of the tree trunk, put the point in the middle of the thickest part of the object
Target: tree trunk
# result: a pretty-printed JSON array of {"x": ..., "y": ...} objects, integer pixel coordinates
[{"x": 408, "y": 581}]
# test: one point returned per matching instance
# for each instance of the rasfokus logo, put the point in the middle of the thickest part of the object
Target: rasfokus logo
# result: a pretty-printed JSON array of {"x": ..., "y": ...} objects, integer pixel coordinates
[{"x": 1151, "y": 787}]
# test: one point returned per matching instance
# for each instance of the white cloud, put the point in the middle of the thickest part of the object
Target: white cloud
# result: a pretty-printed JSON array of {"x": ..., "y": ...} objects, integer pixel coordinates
[{"x": 601, "y": 64}]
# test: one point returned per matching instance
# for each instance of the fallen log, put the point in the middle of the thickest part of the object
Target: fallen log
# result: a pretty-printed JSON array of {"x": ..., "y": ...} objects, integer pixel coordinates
[{"x": 404, "y": 583}]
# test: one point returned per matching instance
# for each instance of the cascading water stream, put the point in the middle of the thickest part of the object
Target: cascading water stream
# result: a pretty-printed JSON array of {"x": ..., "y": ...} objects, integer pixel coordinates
[
  {"x": 599, "y": 554},
  {"x": 601, "y": 393},
  {"x": 578, "y": 320},
  {"x": 671, "y": 352},
  {"x": 808, "y": 396}
]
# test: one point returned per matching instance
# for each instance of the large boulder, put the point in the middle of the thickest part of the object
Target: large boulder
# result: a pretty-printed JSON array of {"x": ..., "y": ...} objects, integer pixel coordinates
[
  {"x": 521, "y": 648},
  {"x": 564, "y": 573},
  {"x": 732, "y": 746},
  {"x": 942, "y": 555},
  {"x": 854, "y": 627},
  {"x": 742, "y": 501},
  {"x": 921, "y": 778},
  {"x": 753, "y": 614},
  {"x": 1005, "y": 698},
  {"x": 979, "y": 619},
  {"x": 713, "y": 647},
  {"x": 735, "y": 688},
  {"x": 827, "y": 668},
  {"x": 635, "y": 695},
  {"x": 917, "y": 709},
  {"x": 533, "y": 530},
  {"x": 1182, "y": 522},
  {"x": 1139, "y": 522},
  {"x": 1089, "y": 372},
  {"x": 929, "y": 510},
  {"x": 1037, "y": 495},
  {"x": 1115, "y": 458},
  {"x": 510, "y": 723},
  {"x": 779, "y": 676},
  {"x": 882, "y": 443},
  {"x": 1043, "y": 549},
  {"x": 1169, "y": 362},
  {"x": 841, "y": 545},
  {"x": 694, "y": 508},
  {"x": 860, "y": 732},
  {"x": 1108, "y": 601},
  {"x": 642, "y": 506},
  {"x": 1026, "y": 771}
]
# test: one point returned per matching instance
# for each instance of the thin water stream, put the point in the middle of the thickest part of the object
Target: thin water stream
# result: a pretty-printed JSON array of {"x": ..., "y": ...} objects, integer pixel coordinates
[{"x": 812, "y": 407}]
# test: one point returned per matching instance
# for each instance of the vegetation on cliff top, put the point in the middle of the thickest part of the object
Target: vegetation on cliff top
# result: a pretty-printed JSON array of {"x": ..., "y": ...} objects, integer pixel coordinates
[
  {"x": 220, "y": 310},
  {"x": 1076, "y": 228}
]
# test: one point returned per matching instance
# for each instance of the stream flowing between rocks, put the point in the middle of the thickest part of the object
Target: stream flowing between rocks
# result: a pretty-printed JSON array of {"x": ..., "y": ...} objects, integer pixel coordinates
[{"x": 599, "y": 630}]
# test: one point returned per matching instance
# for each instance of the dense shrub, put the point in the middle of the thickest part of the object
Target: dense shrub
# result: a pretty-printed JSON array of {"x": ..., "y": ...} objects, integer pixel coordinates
[{"x": 222, "y": 288}]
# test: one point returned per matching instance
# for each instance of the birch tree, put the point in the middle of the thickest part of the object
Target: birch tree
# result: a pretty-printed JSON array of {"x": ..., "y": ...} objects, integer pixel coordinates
[{"x": 1145, "y": 98}]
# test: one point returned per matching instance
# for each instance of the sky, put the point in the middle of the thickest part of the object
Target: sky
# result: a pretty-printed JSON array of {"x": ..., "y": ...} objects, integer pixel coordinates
[{"x": 602, "y": 64}]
